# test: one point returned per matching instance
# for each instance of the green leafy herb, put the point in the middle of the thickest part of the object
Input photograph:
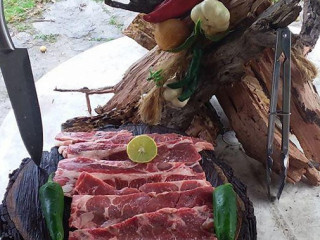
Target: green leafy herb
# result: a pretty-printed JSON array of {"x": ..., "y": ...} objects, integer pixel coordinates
[
  {"x": 190, "y": 81},
  {"x": 156, "y": 77}
]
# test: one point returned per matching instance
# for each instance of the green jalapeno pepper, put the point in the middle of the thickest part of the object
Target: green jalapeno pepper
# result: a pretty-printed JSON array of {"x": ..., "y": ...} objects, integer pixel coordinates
[
  {"x": 225, "y": 212},
  {"x": 52, "y": 205}
]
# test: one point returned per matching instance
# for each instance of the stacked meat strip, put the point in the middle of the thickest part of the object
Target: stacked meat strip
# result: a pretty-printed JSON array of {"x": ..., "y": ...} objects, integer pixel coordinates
[{"x": 114, "y": 198}]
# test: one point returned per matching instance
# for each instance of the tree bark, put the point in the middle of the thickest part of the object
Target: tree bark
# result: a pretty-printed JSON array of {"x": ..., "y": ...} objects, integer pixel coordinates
[
  {"x": 247, "y": 106},
  {"x": 142, "y": 32},
  {"x": 248, "y": 112},
  {"x": 309, "y": 34}
]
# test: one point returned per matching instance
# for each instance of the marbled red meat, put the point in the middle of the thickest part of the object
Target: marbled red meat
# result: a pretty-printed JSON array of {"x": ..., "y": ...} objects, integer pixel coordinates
[
  {"x": 67, "y": 138},
  {"x": 165, "y": 224},
  {"x": 181, "y": 151},
  {"x": 123, "y": 136},
  {"x": 87, "y": 184},
  {"x": 160, "y": 187},
  {"x": 121, "y": 174},
  {"x": 92, "y": 211},
  {"x": 166, "y": 199},
  {"x": 170, "y": 137},
  {"x": 171, "y": 147}
]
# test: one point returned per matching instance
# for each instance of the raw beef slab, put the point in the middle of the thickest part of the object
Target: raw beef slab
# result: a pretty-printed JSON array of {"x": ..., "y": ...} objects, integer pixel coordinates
[
  {"x": 173, "y": 137},
  {"x": 165, "y": 224},
  {"x": 67, "y": 138},
  {"x": 121, "y": 174},
  {"x": 112, "y": 146},
  {"x": 88, "y": 211},
  {"x": 181, "y": 151},
  {"x": 87, "y": 184}
]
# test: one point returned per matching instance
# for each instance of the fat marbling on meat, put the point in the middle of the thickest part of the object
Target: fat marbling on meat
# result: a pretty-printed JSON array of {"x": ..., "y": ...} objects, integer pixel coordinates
[
  {"x": 165, "y": 224},
  {"x": 87, "y": 184},
  {"x": 121, "y": 174}
]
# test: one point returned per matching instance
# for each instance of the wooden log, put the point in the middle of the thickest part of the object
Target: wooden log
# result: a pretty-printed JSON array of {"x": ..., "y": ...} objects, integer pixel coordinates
[
  {"x": 247, "y": 105},
  {"x": 142, "y": 32},
  {"x": 223, "y": 62},
  {"x": 305, "y": 101},
  {"x": 310, "y": 30}
]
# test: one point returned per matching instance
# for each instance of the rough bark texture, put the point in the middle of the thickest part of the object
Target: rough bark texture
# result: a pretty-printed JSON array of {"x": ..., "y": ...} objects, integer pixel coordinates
[
  {"x": 305, "y": 103},
  {"x": 247, "y": 105},
  {"x": 142, "y": 32},
  {"x": 309, "y": 34}
]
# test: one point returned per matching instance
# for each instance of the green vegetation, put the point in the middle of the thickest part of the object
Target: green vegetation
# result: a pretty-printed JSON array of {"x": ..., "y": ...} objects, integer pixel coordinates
[
  {"x": 100, "y": 39},
  {"x": 18, "y": 10},
  {"x": 22, "y": 27},
  {"x": 113, "y": 21},
  {"x": 51, "y": 38}
]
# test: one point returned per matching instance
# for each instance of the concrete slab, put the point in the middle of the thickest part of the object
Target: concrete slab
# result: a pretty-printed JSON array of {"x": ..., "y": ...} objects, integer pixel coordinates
[{"x": 295, "y": 217}]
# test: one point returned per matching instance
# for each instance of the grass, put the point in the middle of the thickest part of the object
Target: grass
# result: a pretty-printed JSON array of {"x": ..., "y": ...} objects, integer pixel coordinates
[
  {"x": 18, "y": 10},
  {"x": 22, "y": 27},
  {"x": 51, "y": 38},
  {"x": 113, "y": 21},
  {"x": 101, "y": 39}
]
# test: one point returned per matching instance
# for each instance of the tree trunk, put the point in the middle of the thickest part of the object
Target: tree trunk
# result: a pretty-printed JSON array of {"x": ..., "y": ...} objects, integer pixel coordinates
[{"x": 245, "y": 55}]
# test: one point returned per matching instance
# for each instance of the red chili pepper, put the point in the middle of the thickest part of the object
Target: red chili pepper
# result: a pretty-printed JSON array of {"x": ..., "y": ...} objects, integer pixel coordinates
[{"x": 170, "y": 9}]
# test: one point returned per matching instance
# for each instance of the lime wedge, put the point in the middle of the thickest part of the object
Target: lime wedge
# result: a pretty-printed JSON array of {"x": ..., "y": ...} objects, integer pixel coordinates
[{"x": 142, "y": 149}]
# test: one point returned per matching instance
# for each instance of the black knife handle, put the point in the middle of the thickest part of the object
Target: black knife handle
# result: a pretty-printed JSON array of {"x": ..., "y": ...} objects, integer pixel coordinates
[{"x": 5, "y": 39}]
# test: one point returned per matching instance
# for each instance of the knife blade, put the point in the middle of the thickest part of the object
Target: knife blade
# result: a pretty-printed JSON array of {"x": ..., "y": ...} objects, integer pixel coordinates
[{"x": 17, "y": 73}]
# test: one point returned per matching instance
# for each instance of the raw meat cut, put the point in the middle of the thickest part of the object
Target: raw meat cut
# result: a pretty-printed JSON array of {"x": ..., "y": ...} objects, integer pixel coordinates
[
  {"x": 160, "y": 187},
  {"x": 170, "y": 137},
  {"x": 114, "y": 198},
  {"x": 106, "y": 150},
  {"x": 90, "y": 185},
  {"x": 121, "y": 174},
  {"x": 88, "y": 211},
  {"x": 165, "y": 224},
  {"x": 181, "y": 151},
  {"x": 87, "y": 184},
  {"x": 67, "y": 138},
  {"x": 112, "y": 146}
]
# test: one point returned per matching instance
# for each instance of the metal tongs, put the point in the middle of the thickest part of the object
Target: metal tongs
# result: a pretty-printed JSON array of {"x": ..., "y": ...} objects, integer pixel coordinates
[{"x": 283, "y": 51}]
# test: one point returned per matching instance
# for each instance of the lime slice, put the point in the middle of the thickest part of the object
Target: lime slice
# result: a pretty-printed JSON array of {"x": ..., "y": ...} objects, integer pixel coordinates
[{"x": 142, "y": 149}]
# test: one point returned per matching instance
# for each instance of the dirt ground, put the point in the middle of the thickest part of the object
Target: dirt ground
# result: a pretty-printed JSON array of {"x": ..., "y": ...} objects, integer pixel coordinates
[{"x": 66, "y": 28}]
